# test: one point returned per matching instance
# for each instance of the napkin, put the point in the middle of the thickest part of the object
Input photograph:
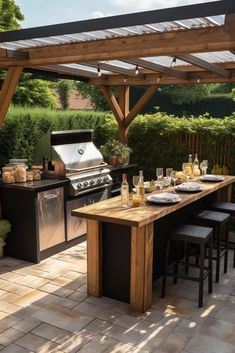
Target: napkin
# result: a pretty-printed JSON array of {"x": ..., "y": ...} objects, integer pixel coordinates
[
  {"x": 213, "y": 177},
  {"x": 190, "y": 186},
  {"x": 165, "y": 196}
]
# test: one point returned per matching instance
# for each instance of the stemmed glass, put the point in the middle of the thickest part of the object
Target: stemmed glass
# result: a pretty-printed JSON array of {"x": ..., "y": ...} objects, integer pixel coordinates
[
  {"x": 168, "y": 176},
  {"x": 204, "y": 166},
  {"x": 135, "y": 180},
  {"x": 159, "y": 174},
  {"x": 187, "y": 169},
  {"x": 174, "y": 176}
]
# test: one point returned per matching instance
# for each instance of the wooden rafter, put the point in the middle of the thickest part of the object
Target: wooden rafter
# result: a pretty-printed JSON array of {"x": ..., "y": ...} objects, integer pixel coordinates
[
  {"x": 113, "y": 68},
  {"x": 229, "y": 27},
  {"x": 158, "y": 68},
  {"x": 8, "y": 90},
  {"x": 191, "y": 59},
  {"x": 154, "y": 44}
]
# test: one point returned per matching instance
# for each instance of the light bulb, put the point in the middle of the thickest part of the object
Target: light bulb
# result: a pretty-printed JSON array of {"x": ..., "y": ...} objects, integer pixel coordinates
[
  {"x": 137, "y": 70},
  {"x": 98, "y": 72},
  {"x": 173, "y": 62}
]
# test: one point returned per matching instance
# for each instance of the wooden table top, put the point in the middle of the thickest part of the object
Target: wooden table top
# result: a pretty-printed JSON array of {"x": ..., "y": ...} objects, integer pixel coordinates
[{"x": 110, "y": 210}]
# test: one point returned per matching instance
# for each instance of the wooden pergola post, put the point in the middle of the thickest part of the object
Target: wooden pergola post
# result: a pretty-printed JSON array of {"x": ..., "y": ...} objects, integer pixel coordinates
[
  {"x": 8, "y": 90},
  {"x": 121, "y": 110}
]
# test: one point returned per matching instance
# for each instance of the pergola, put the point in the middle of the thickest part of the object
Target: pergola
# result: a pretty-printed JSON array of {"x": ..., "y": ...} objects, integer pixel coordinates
[{"x": 181, "y": 45}]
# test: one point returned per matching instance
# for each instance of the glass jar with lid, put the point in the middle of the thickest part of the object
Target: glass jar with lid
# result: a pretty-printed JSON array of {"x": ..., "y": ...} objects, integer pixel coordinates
[
  {"x": 36, "y": 170},
  {"x": 8, "y": 175},
  {"x": 20, "y": 173}
]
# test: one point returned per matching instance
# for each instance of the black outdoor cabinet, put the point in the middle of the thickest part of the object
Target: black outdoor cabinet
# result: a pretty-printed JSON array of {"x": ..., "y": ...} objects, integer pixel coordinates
[{"x": 37, "y": 215}]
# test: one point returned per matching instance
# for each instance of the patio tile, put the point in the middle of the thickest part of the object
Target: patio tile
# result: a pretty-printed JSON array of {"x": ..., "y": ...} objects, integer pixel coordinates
[
  {"x": 201, "y": 343},
  {"x": 36, "y": 344},
  {"x": 52, "y": 288},
  {"x": 77, "y": 341},
  {"x": 8, "y": 322},
  {"x": 27, "y": 325},
  {"x": 174, "y": 343},
  {"x": 13, "y": 348},
  {"x": 51, "y": 333},
  {"x": 9, "y": 336},
  {"x": 63, "y": 318},
  {"x": 188, "y": 327},
  {"x": 222, "y": 330}
]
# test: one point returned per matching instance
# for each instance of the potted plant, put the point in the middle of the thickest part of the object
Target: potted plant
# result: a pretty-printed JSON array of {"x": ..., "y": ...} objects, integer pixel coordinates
[
  {"x": 5, "y": 228},
  {"x": 115, "y": 152}
]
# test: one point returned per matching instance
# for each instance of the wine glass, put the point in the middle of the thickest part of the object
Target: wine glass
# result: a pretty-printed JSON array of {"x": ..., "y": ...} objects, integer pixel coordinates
[
  {"x": 204, "y": 166},
  {"x": 174, "y": 176},
  {"x": 168, "y": 176},
  {"x": 135, "y": 180},
  {"x": 187, "y": 169},
  {"x": 159, "y": 174}
]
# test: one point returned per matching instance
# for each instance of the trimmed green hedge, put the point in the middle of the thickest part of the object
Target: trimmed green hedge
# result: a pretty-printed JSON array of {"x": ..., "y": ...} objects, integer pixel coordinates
[{"x": 152, "y": 138}]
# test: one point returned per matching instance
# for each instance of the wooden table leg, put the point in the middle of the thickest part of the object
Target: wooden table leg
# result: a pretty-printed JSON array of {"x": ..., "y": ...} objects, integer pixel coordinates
[
  {"x": 225, "y": 194},
  {"x": 141, "y": 267},
  {"x": 94, "y": 263}
]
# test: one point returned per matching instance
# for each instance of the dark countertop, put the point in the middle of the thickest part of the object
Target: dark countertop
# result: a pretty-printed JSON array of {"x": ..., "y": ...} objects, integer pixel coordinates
[{"x": 36, "y": 185}]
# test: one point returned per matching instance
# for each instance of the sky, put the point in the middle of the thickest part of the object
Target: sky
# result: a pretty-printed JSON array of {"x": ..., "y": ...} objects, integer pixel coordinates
[{"x": 46, "y": 12}]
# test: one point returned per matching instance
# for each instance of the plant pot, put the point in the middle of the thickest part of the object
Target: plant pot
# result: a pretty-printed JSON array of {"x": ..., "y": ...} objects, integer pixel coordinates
[
  {"x": 113, "y": 160},
  {"x": 119, "y": 160},
  {"x": 1, "y": 251}
]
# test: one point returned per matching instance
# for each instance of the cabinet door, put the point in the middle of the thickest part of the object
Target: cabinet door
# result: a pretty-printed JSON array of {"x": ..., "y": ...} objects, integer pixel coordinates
[{"x": 50, "y": 212}]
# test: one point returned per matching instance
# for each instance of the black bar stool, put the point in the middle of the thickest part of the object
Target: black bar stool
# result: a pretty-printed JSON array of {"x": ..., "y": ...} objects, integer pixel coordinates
[
  {"x": 191, "y": 235},
  {"x": 219, "y": 221},
  {"x": 227, "y": 207}
]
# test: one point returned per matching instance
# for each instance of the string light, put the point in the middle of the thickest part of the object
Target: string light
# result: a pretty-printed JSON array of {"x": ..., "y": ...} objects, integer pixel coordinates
[
  {"x": 98, "y": 71},
  {"x": 173, "y": 62},
  {"x": 137, "y": 70},
  {"x": 159, "y": 79},
  {"x": 198, "y": 80}
]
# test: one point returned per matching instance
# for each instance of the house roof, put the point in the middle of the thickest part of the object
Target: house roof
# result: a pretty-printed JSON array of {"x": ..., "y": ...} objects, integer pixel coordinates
[{"x": 186, "y": 44}]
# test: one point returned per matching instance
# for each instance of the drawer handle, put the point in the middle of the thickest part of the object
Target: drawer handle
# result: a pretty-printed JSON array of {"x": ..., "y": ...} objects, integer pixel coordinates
[{"x": 50, "y": 197}]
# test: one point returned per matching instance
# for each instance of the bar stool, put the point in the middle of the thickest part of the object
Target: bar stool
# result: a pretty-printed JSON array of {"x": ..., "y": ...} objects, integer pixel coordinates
[
  {"x": 220, "y": 223},
  {"x": 226, "y": 207},
  {"x": 191, "y": 235}
]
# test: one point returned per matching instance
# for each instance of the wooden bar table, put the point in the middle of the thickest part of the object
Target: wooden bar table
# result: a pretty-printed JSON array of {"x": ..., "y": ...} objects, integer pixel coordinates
[{"x": 120, "y": 242}]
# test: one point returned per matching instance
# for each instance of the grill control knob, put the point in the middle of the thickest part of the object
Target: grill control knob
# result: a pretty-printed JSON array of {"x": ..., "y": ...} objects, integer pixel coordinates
[
  {"x": 92, "y": 182},
  {"x": 79, "y": 186},
  {"x": 85, "y": 183},
  {"x": 99, "y": 180},
  {"x": 106, "y": 178}
]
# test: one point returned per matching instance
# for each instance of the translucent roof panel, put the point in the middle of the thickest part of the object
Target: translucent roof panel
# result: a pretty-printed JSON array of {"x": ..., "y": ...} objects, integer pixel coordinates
[{"x": 116, "y": 32}]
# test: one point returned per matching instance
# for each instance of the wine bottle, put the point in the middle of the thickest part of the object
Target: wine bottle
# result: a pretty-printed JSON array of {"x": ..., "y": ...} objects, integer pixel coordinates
[
  {"x": 196, "y": 169},
  {"x": 140, "y": 186},
  {"x": 190, "y": 161},
  {"x": 124, "y": 191}
]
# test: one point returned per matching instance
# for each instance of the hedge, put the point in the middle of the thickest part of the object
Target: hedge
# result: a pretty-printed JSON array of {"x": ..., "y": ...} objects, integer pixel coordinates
[{"x": 154, "y": 139}]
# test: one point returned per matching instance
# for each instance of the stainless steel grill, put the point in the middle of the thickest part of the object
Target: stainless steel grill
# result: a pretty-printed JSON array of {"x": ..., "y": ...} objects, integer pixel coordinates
[{"x": 72, "y": 154}]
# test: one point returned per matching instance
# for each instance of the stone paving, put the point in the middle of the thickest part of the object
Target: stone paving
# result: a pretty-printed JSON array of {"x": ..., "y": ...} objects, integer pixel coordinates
[{"x": 44, "y": 308}]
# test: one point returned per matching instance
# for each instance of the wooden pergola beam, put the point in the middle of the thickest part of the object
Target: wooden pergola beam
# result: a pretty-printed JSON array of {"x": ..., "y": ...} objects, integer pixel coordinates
[
  {"x": 140, "y": 104},
  {"x": 8, "y": 90},
  {"x": 158, "y": 68},
  {"x": 113, "y": 104},
  {"x": 191, "y": 59},
  {"x": 154, "y": 44}
]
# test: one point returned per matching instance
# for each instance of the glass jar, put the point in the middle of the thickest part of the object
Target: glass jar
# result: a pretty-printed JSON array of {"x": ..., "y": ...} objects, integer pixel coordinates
[
  {"x": 8, "y": 175},
  {"x": 29, "y": 176},
  {"x": 36, "y": 174},
  {"x": 20, "y": 174}
]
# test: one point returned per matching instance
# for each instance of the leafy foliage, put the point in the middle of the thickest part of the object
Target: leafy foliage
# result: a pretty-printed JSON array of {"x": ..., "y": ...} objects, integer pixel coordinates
[
  {"x": 63, "y": 88},
  {"x": 5, "y": 228},
  {"x": 180, "y": 94},
  {"x": 33, "y": 92},
  {"x": 10, "y": 15}
]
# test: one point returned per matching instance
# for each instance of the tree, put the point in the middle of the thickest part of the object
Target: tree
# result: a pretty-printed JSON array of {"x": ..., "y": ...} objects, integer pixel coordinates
[
  {"x": 34, "y": 92},
  {"x": 10, "y": 15},
  {"x": 180, "y": 94},
  {"x": 233, "y": 94}
]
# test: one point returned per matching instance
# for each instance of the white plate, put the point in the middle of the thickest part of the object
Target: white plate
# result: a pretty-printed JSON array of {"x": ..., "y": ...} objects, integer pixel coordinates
[
  {"x": 212, "y": 177},
  {"x": 189, "y": 187},
  {"x": 164, "y": 198}
]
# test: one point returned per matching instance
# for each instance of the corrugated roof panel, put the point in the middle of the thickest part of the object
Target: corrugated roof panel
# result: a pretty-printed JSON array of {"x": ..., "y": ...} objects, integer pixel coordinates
[{"x": 217, "y": 57}]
